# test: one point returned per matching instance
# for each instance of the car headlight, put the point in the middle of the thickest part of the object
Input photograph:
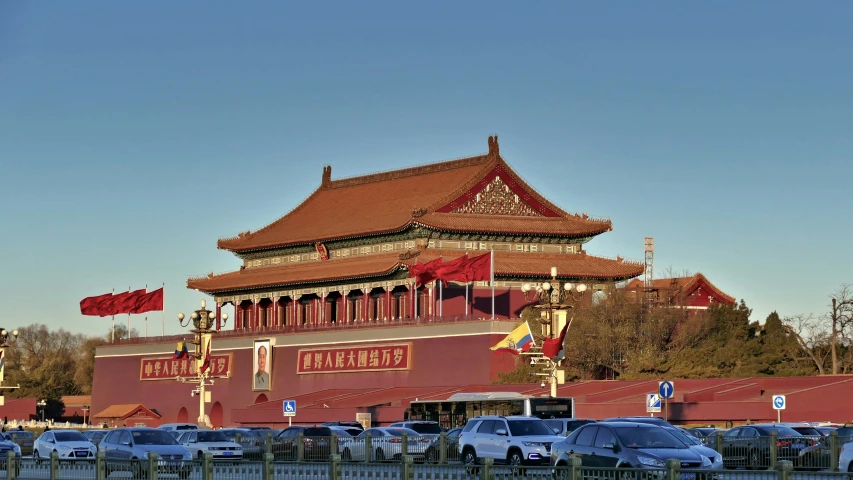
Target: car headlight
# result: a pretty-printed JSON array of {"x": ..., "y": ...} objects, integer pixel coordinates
[
  {"x": 706, "y": 462},
  {"x": 188, "y": 456},
  {"x": 651, "y": 462},
  {"x": 239, "y": 447}
]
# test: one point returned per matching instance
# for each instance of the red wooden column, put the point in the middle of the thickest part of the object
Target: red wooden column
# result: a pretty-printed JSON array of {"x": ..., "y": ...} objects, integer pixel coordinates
[
  {"x": 218, "y": 316},
  {"x": 388, "y": 315},
  {"x": 413, "y": 293}
]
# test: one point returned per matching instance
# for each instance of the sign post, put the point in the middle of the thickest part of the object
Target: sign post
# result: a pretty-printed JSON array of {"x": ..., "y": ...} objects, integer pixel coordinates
[
  {"x": 288, "y": 407},
  {"x": 779, "y": 404},
  {"x": 652, "y": 403},
  {"x": 666, "y": 389}
]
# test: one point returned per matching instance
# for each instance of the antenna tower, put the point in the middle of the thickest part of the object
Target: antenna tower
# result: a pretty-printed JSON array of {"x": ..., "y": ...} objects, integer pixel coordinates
[{"x": 649, "y": 271}]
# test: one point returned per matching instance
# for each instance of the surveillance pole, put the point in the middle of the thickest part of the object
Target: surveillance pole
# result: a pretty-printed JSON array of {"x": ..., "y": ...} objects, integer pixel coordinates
[
  {"x": 5, "y": 338},
  {"x": 203, "y": 323}
]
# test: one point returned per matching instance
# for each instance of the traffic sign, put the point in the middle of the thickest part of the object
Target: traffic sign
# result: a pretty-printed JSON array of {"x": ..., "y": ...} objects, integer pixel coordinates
[
  {"x": 289, "y": 408},
  {"x": 652, "y": 403},
  {"x": 779, "y": 402},
  {"x": 666, "y": 389}
]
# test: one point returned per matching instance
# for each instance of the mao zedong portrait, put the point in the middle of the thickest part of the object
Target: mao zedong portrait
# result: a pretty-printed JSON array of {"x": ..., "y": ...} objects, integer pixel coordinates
[{"x": 262, "y": 376}]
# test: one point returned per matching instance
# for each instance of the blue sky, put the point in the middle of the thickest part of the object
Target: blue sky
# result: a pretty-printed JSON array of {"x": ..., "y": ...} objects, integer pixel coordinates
[{"x": 134, "y": 134}]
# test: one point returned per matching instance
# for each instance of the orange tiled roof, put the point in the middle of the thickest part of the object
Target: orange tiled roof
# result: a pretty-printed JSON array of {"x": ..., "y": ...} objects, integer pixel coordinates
[
  {"x": 531, "y": 265},
  {"x": 74, "y": 400},
  {"x": 387, "y": 202},
  {"x": 681, "y": 284},
  {"x": 123, "y": 411}
]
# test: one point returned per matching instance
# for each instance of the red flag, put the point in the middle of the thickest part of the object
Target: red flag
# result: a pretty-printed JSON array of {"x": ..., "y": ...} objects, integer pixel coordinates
[
  {"x": 151, "y": 301},
  {"x": 425, "y": 272},
  {"x": 92, "y": 305},
  {"x": 110, "y": 306},
  {"x": 127, "y": 304},
  {"x": 452, "y": 270},
  {"x": 478, "y": 268},
  {"x": 552, "y": 346},
  {"x": 206, "y": 364}
]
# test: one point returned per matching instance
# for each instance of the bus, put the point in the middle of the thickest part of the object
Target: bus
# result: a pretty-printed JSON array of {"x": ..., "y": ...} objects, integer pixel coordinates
[{"x": 458, "y": 408}]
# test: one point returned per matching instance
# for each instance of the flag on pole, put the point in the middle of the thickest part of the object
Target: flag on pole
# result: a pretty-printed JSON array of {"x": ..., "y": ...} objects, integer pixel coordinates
[
  {"x": 149, "y": 302},
  {"x": 552, "y": 346},
  {"x": 519, "y": 340},
  {"x": 93, "y": 305},
  {"x": 206, "y": 364},
  {"x": 181, "y": 350}
]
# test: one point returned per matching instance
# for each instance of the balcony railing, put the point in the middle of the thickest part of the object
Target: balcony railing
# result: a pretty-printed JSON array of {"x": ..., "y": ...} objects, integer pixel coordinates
[{"x": 318, "y": 328}]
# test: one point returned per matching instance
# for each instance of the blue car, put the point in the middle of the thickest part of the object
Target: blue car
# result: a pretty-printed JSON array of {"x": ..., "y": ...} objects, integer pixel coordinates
[{"x": 122, "y": 445}]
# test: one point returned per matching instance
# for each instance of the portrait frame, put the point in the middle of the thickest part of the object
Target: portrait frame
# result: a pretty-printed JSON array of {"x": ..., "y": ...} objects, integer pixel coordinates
[{"x": 257, "y": 345}]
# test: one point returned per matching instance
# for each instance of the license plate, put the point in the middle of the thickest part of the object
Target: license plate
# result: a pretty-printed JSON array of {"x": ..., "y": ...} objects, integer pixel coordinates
[
  {"x": 228, "y": 454},
  {"x": 688, "y": 476}
]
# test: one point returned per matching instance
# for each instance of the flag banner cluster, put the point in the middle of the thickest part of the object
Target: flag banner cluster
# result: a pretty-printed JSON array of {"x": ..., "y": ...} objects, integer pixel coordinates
[
  {"x": 518, "y": 341},
  {"x": 462, "y": 269},
  {"x": 181, "y": 350},
  {"x": 552, "y": 347},
  {"x": 137, "y": 301}
]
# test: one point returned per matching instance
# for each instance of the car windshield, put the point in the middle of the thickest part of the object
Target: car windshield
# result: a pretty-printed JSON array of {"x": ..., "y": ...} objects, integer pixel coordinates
[
  {"x": 685, "y": 438},
  {"x": 557, "y": 425},
  {"x": 780, "y": 431},
  {"x": 152, "y": 437},
  {"x": 426, "y": 428},
  {"x": 645, "y": 437},
  {"x": 317, "y": 432},
  {"x": 523, "y": 428},
  {"x": 211, "y": 436},
  {"x": 807, "y": 431},
  {"x": 69, "y": 437}
]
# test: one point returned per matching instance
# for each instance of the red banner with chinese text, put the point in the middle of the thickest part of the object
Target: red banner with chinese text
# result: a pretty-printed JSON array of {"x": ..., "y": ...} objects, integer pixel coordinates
[
  {"x": 363, "y": 358},
  {"x": 166, "y": 368}
]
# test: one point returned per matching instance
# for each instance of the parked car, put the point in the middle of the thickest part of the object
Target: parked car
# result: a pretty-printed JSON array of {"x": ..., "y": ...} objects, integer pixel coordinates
[
  {"x": 512, "y": 440},
  {"x": 749, "y": 446},
  {"x": 451, "y": 446},
  {"x": 423, "y": 427},
  {"x": 199, "y": 442},
  {"x": 254, "y": 446},
  {"x": 135, "y": 443},
  {"x": 23, "y": 438},
  {"x": 625, "y": 445},
  {"x": 7, "y": 446},
  {"x": 348, "y": 426},
  {"x": 386, "y": 443},
  {"x": 316, "y": 442},
  {"x": 565, "y": 426},
  {"x": 95, "y": 436},
  {"x": 68, "y": 444}
]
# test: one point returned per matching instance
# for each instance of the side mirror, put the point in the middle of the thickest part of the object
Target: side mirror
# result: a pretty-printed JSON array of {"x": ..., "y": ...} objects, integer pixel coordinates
[
  {"x": 500, "y": 431},
  {"x": 611, "y": 446},
  {"x": 127, "y": 444}
]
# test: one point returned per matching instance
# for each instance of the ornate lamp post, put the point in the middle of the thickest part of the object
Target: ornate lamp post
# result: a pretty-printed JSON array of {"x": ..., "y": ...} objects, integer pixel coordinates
[
  {"x": 5, "y": 337},
  {"x": 203, "y": 330},
  {"x": 552, "y": 297}
]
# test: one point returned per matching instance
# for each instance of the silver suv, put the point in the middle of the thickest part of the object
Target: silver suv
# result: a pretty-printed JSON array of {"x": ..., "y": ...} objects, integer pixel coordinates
[{"x": 509, "y": 440}]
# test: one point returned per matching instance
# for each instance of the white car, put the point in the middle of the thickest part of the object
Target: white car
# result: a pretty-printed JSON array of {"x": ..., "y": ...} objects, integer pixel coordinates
[
  {"x": 845, "y": 458},
  {"x": 386, "y": 443},
  {"x": 199, "y": 442},
  {"x": 68, "y": 444}
]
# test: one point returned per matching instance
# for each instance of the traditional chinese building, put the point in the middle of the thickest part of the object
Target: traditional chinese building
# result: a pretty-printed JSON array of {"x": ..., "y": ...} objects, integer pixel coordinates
[
  {"x": 695, "y": 292},
  {"x": 325, "y": 304}
]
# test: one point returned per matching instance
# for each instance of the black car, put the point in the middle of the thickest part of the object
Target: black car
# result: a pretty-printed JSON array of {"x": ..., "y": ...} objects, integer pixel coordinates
[
  {"x": 346, "y": 425},
  {"x": 749, "y": 446},
  {"x": 451, "y": 446},
  {"x": 316, "y": 442},
  {"x": 625, "y": 445}
]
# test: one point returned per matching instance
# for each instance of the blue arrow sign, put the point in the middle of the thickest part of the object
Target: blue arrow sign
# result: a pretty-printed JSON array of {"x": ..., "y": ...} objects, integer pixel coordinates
[
  {"x": 289, "y": 407},
  {"x": 666, "y": 389},
  {"x": 779, "y": 402}
]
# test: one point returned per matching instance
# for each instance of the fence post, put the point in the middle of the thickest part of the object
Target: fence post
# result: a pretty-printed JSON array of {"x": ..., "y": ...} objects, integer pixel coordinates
[
  {"x": 11, "y": 465},
  {"x": 335, "y": 467},
  {"x": 673, "y": 469},
  {"x": 207, "y": 466},
  {"x": 100, "y": 466},
  {"x": 333, "y": 446},
  {"x": 153, "y": 458},
  {"x": 486, "y": 471},
  {"x": 300, "y": 447},
  {"x": 368, "y": 448},
  {"x": 268, "y": 473},
  {"x": 774, "y": 448},
  {"x": 833, "y": 451},
  {"x": 785, "y": 467},
  {"x": 442, "y": 448},
  {"x": 404, "y": 448},
  {"x": 268, "y": 443},
  {"x": 574, "y": 468},
  {"x": 718, "y": 441},
  {"x": 54, "y": 466},
  {"x": 407, "y": 470}
]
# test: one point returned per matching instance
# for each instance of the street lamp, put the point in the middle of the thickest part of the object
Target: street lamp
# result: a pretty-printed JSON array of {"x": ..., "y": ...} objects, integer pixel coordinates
[
  {"x": 552, "y": 296},
  {"x": 203, "y": 330},
  {"x": 42, "y": 404},
  {"x": 5, "y": 337}
]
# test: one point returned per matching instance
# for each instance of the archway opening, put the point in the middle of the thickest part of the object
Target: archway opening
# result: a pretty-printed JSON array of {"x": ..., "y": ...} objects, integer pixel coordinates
[
  {"x": 261, "y": 399},
  {"x": 216, "y": 415},
  {"x": 183, "y": 415}
]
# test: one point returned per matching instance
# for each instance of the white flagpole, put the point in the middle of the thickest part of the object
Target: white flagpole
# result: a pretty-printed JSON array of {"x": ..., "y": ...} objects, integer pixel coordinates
[
  {"x": 492, "y": 262},
  {"x": 466, "y": 297},
  {"x": 114, "y": 321},
  {"x": 440, "y": 299},
  {"x": 128, "y": 318},
  {"x": 146, "y": 326}
]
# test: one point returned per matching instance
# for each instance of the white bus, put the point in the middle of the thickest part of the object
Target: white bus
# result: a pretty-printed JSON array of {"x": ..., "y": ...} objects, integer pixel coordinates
[{"x": 456, "y": 410}]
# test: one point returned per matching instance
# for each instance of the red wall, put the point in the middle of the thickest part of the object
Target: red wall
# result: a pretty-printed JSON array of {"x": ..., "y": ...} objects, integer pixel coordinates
[{"x": 18, "y": 409}]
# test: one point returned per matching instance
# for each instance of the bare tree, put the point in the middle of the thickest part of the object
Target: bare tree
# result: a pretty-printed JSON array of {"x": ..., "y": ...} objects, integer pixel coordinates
[
  {"x": 840, "y": 317},
  {"x": 812, "y": 336}
]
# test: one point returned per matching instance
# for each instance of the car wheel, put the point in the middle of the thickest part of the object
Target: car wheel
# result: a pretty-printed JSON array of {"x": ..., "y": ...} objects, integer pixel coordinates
[
  {"x": 380, "y": 455},
  {"x": 561, "y": 472},
  {"x": 347, "y": 455},
  {"x": 754, "y": 460},
  {"x": 36, "y": 458},
  {"x": 469, "y": 458}
]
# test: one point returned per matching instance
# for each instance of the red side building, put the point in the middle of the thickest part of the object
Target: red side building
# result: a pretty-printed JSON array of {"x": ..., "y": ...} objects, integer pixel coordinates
[{"x": 695, "y": 292}]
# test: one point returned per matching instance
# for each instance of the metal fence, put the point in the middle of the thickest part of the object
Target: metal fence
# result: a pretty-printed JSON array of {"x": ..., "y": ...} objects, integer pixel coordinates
[
  {"x": 807, "y": 453},
  {"x": 152, "y": 468}
]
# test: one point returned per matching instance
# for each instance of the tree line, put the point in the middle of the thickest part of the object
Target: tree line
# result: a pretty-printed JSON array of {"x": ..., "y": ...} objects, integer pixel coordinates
[
  {"x": 49, "y": 364},
  {"x": 617, "y": 337}
]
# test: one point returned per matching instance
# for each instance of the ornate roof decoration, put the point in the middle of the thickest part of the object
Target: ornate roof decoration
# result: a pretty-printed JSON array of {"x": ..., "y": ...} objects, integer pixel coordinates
[{"x": 680, "y": 287}]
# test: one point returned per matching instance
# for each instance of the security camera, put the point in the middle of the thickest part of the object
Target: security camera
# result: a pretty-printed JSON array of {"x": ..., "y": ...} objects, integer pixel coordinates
[
  {"x": 542, "y": 384},
  {"x": 532, "y": 362},
  {"x": 195, "y": 392}
]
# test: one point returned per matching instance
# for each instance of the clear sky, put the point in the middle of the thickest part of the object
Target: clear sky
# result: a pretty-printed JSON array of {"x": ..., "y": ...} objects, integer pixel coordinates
[{"x": 134, "y": 134}]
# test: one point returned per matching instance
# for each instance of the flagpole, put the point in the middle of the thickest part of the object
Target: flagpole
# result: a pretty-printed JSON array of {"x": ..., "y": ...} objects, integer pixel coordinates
[
  {"x": 128, "y": 318},
  {"x": 146, "y": 326},
  {"x": 114, "y": 321},
  {"x": 440, "y": 298},
  {"x": 466, "y": 297},
  {"x": 492, "y": 268}
]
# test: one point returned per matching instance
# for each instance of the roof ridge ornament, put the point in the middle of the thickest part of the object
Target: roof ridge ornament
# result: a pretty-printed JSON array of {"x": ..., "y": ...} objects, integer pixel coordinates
[
  {"x": 418, "y": 212},
  {"x": 494, "y": 148},
  {"x": 327, "y": 176},
  {"x": 409, "y": 254}
]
